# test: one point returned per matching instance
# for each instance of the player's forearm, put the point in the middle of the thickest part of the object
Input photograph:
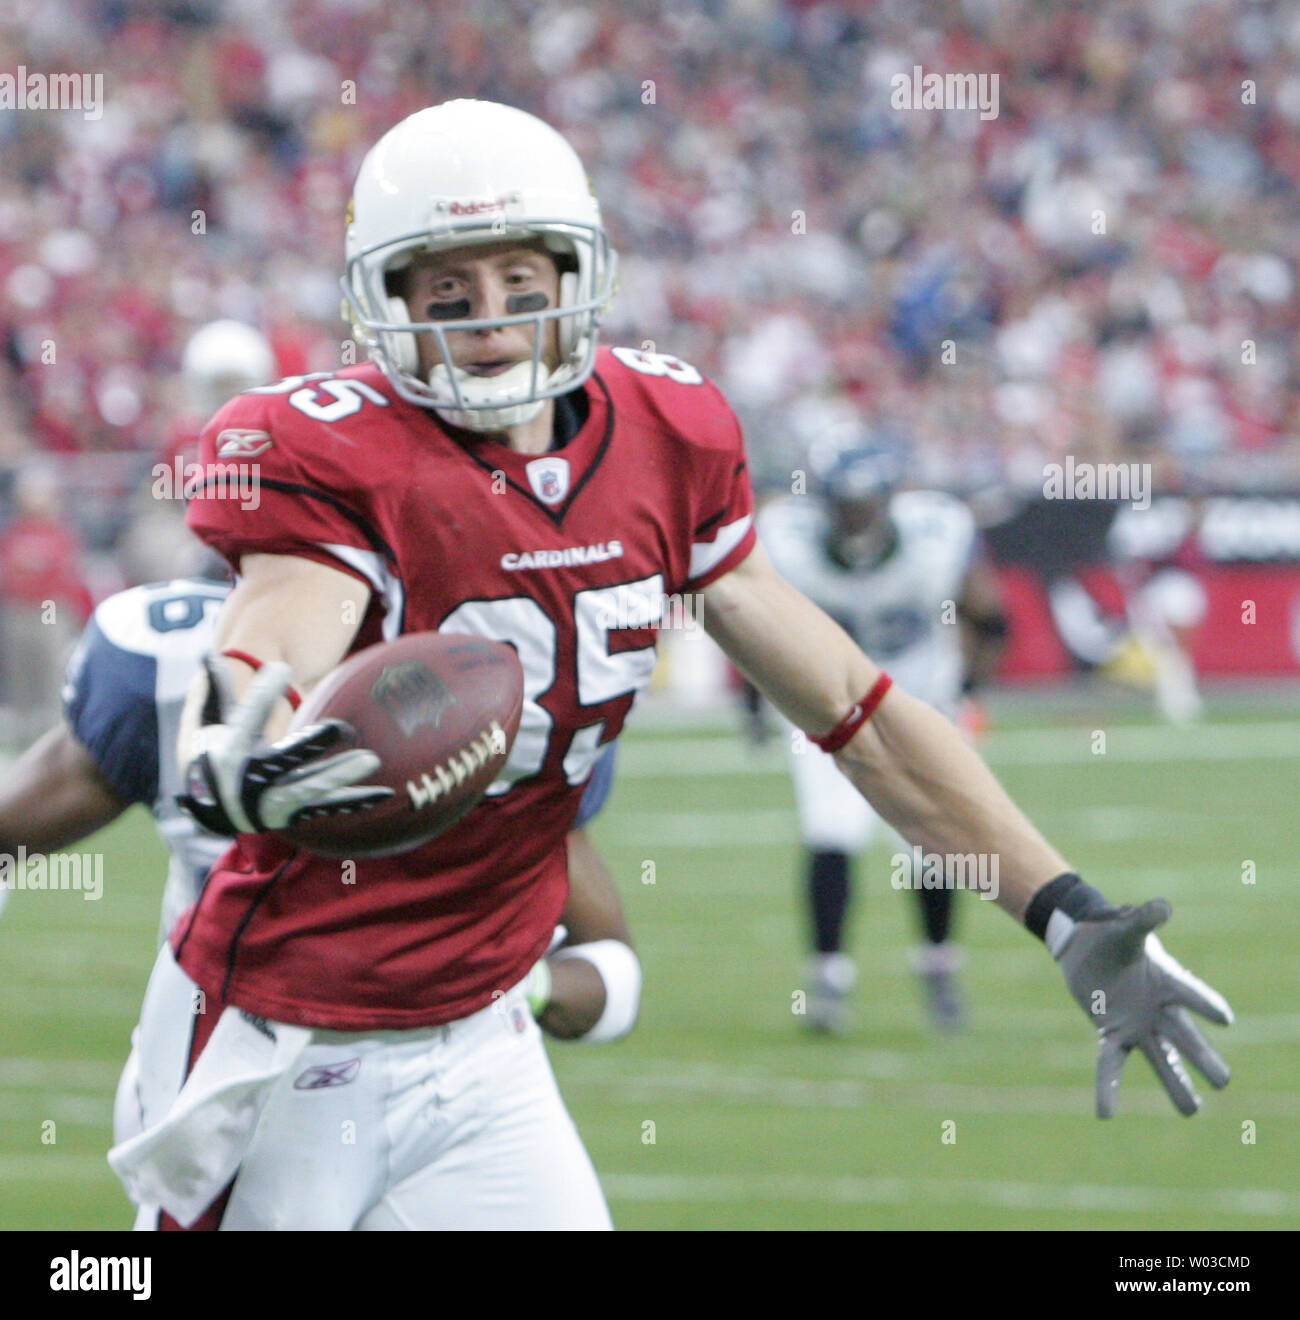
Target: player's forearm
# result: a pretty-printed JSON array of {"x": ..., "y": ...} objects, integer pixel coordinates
[
  {"x": 53, "y": 796},
  {"x": 284, "y": 609},
  {"x": 920, "y": 774},
  {"x": 911, "y": 764},
  {"x": 597, "y": 946},
  {"x": 294, "y": 610},
  {"x": 577, "y": 999},
  {"x": 793, "y": 652}
]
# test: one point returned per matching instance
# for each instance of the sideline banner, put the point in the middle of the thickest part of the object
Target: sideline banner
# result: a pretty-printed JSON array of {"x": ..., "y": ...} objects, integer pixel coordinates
[{"x": 1243, "y": 550}]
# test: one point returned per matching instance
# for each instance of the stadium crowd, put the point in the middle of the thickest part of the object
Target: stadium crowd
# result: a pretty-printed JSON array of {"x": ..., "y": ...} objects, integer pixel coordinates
[{"x": 1104, "y": 268}]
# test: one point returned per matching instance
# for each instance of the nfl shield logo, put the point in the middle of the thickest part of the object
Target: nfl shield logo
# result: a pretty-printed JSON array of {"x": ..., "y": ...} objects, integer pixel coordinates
[{"x": 549, "y": 478}]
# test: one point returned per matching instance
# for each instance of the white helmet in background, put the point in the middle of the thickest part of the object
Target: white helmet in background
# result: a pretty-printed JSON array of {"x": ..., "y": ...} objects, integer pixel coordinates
[
  {"x": 469, "y": 172},
  {"x": 222, "y": 359}
]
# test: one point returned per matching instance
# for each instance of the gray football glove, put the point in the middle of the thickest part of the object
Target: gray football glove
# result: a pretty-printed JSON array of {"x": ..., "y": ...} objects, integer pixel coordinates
[
  {"x": 239, "y": 784},
  {"x": 1138, "y": 996}
]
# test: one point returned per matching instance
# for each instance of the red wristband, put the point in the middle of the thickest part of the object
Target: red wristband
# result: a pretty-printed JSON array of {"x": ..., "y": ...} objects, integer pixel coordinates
[
  {"x": 856, "y": 718},
  {"x": 290, "y": 693}
]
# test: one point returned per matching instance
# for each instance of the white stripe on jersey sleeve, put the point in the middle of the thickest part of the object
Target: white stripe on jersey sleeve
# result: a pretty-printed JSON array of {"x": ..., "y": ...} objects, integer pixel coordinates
[
  {"x": 707, "y": 555},
  {"x": 375, "y": 570}
]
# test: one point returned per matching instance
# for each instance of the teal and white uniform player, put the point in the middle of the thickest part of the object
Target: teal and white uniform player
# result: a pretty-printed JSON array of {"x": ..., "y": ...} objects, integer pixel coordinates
[{"x": 895, "y": 589}]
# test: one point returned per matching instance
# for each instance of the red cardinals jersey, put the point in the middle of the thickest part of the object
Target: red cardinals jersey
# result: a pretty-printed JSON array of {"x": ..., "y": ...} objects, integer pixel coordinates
[{"x": 571, "y": 556}]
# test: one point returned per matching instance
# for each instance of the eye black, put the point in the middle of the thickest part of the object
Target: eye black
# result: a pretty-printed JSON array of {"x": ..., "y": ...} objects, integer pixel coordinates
[
  {"x": 448, "y": 311},
  {"x": 518, "y": 303}
]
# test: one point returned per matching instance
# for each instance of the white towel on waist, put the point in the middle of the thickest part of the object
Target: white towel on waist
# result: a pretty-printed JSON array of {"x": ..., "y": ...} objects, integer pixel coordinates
[{"x": 185, "y": 1161}]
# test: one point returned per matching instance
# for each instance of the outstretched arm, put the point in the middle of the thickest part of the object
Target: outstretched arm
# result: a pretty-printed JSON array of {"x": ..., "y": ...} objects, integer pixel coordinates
[
  {"x": 284, "y": 627},
  {"x": 285, "y": 609},
  {"x": 920, "y": 774},
  {"x": 54, "y": 795},
  {"x": 907, "y": 759}
]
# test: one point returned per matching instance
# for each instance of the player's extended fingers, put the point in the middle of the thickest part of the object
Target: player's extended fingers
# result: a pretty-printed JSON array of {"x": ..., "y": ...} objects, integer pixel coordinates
[
  {"x": 1127, "y": 931},
  {"x": 1153, "y": 913},
  {"x": 220, "y": 698},
  {"x": 343, "y": 802},
  {"x": 325, "y": 785},
  {"x": 269, "y": 684},
  {"x": 1110, "y": 1067},
  {"x": 307, "y": 743},
  {"x": 1187, "y": 1039},
  {"x": 1163, "y": 1057},
  {"x": 334, "y": 772},
  {"x": 1186, "y": 989}
]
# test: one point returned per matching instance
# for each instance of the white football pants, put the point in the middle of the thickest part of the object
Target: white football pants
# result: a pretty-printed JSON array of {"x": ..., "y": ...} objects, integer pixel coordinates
[
  {"x": 833, "y": 815},
  {"x": 453, "y": 1127}
]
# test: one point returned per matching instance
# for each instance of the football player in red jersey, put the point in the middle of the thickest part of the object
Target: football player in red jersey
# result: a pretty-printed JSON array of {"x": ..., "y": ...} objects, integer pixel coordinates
[{"x": 493, "y": 471}]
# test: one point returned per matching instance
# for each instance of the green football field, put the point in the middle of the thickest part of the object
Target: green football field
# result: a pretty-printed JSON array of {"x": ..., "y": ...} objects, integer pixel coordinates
[{"x": 719, "y": 1111}]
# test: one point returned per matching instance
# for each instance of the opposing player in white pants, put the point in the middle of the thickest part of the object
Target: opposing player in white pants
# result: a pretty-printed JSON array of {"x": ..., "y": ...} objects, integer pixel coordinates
[{"x": 901, "y": 574}]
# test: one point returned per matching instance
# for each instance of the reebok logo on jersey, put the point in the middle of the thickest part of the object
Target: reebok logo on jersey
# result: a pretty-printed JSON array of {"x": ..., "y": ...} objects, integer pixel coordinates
[
  {"x": 235, "y": 442},
  {"x": 565, "y": 558},
  {"x": 328, "y": 1074}
]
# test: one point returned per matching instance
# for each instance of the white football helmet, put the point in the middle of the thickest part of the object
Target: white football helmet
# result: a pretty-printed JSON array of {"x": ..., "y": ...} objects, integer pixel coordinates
[
  {"x": 222, "y": 359},
  {"x": 470, "y": 172}
]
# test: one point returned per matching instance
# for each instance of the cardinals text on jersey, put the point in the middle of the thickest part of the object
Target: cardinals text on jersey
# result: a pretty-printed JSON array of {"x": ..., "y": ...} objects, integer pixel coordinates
[{"x": 439, "y": 527}]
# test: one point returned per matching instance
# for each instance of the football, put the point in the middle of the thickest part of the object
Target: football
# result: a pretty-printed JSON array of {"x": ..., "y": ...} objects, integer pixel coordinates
[{"x": 441, "y": 711}]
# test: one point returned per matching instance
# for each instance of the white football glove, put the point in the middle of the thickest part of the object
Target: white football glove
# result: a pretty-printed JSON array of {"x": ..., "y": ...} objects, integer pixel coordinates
[
  {"x": 241, "y": 785},
  {"x": 1138, "y": 997}
]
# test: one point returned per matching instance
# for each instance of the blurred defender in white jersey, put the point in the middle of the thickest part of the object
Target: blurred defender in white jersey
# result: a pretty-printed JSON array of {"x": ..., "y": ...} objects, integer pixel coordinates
[
  {"x": 126, "y": 683},
  {"x": 901, "y": 573}
]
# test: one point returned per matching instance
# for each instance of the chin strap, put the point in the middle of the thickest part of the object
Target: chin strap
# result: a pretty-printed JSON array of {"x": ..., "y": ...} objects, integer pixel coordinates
[
  {"x": 490, "y": 419},
  {"x": 474, "y": 389}
]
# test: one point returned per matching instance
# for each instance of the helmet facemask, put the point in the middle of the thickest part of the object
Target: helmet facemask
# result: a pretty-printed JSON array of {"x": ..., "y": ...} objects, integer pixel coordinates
[{"x": 587, "y": 267}]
